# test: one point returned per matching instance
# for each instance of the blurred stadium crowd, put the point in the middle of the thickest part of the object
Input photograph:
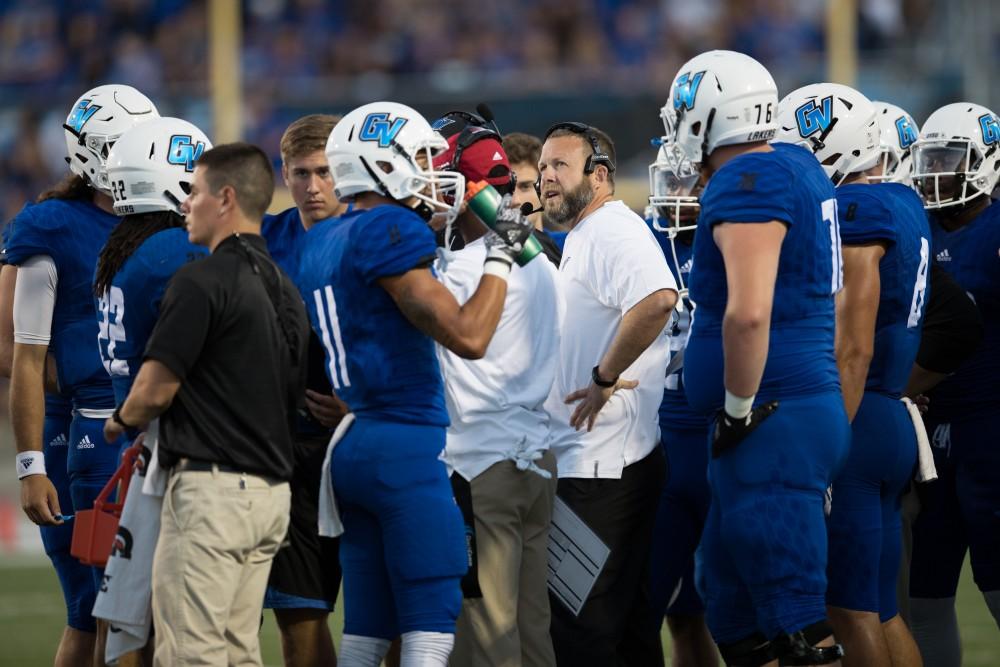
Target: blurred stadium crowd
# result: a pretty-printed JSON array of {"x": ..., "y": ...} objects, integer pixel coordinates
[{"x": 304, "y": 55}]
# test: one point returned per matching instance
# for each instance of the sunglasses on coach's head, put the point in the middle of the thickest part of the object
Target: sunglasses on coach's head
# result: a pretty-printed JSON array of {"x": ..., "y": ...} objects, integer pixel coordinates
[{"x": 597, "y": 157}]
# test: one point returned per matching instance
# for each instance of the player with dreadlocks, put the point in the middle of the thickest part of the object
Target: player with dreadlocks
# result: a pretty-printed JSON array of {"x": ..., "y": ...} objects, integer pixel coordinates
[{"x": 150, "y": 171}]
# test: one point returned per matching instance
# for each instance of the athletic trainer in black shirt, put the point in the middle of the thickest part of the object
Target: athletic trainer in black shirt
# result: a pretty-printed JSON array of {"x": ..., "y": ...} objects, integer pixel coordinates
[{"x": 224, "y": 367}]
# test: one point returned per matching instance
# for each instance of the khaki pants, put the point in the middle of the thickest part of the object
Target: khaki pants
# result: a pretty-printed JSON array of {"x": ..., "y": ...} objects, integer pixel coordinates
[
  {"x": 509, "y": 625},
  {"x": 218, "y": 535}
]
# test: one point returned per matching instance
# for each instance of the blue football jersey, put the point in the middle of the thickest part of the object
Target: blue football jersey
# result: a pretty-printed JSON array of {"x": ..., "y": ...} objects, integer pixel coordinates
[
  {"x": 378, "y": 363},
  {"x": 72, "y": 233},
  {"x": 284, "y": 233},
  {"x": 127, "y": 312},
  {"x": 971, "y": 255},
  {"x": 675, "y": 409},
  {"x": 56, "y": 405},
  {"x": 785, "y": 184},
  {"x": 894, "y": 214}
]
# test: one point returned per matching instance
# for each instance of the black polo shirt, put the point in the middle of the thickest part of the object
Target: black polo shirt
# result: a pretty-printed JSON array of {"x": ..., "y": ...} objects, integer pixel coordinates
[{"x": 242, "y": 368}]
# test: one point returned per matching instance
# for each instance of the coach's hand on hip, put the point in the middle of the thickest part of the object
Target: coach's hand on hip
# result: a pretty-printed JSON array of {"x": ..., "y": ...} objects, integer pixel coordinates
[{"x": 594, "y": 397}]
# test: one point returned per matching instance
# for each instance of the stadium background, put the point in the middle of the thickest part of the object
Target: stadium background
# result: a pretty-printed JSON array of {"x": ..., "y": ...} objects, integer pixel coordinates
[{"x": 245, "y": 70}]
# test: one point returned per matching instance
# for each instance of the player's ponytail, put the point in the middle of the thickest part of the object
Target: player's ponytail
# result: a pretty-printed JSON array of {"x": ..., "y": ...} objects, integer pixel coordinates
[
  {"x": 125, "y": 238},
  {"x": 72, "y": 187}
]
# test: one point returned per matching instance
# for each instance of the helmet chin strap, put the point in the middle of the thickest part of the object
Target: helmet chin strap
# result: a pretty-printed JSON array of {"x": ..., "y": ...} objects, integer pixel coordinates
[{"x": 424, "y": 211}]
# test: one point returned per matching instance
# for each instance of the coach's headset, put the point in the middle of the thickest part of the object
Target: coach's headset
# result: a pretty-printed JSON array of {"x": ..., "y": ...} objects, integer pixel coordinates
[
  {"x": 474, "y": 127},
  {"x": 596, "y": 157}
]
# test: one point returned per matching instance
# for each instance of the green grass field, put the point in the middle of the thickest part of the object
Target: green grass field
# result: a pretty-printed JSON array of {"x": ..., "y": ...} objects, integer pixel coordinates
[{"x": 31, "y": 618}]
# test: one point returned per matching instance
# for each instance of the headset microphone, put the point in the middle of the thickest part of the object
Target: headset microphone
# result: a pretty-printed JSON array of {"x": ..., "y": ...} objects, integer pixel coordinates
[{"x": 526, "y": 209}]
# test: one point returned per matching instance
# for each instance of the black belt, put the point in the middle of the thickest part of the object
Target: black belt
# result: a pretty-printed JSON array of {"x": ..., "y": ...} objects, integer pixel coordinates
[{"x": 193, "y": 465}]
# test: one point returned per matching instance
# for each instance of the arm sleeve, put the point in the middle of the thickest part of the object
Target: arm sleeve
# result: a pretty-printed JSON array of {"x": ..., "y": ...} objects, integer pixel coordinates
[
  {"x": 864, "y": 219},
  {"x": 183, "y": 325},
  {"x": 35, "y": 300},
  {"x": 953, "y": 325},
  {"x": 750, "y": 188},
  {"x": 631, "y": 268},
  {"x": 394, "y": 241}
]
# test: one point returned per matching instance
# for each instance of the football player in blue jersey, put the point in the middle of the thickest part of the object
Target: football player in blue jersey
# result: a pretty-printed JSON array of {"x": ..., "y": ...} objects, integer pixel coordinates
[
  {"x": 956, "y": 162},
  {"x": 673, "y": 213},
  {"x": 760, "y": 357},
  {"x": 54, "y": 244},
  {"x": 378, "y": 310},
  {"x": 305, "y": 576},
  {"x": 150, "y": 168},
  {"x": 73, "y": 575},
  {"x": 886, "y": 251}
]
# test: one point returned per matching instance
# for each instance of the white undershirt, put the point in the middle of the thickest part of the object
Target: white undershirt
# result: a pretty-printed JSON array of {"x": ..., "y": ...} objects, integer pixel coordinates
[{"x": 35, "y": 300}]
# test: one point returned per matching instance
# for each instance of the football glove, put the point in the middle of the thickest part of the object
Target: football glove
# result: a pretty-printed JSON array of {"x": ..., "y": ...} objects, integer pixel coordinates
[
  {"x": 511, "y": 230},
  {"x": 730, "y": 431}
]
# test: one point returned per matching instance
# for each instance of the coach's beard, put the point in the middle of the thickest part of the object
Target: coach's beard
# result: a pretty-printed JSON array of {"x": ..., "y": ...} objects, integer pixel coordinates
[{"x": 573, "y": 203}]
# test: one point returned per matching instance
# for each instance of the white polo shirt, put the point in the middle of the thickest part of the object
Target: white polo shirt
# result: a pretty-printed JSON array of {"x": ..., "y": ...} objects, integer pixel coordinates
[
  {"x": 610, "y": 262},
  {"x": 496, "y": 403}
]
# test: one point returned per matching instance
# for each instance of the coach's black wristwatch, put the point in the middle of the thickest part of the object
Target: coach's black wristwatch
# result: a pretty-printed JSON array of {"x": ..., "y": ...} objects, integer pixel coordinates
[{"x": 596, "y": 377}]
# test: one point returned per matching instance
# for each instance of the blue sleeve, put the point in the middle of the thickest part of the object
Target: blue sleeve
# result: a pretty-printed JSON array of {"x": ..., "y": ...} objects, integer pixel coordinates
[
  {"x": 864, "y": 218},
  {"x": 27, "y": 236},
  {"x": 750, "y": 188},
  {"x": 390, "y": 242}
]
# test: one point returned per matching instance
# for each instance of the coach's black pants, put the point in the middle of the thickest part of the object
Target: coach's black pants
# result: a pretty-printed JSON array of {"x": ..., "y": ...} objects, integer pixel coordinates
[{"x": 612, "y": 629}]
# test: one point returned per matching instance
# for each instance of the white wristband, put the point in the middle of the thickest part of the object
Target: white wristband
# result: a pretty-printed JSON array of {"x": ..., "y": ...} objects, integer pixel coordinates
[
  {"x": 30, "y": 463},
  {"x": 737, "y": 406},
  {"x": 496, "y": 267}
]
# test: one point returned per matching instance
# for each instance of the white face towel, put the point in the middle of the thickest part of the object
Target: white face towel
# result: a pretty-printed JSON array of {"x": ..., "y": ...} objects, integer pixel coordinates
[
  {"x": 329, "y": 518},
  {"x": 156, "y": 477},
  {"x": 926, "y": 471},
  {"x": 126, "y": 590}
]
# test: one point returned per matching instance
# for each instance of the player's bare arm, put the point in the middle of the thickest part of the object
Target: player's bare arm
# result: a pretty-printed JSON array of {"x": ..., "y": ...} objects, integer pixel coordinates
[
  {"x": 27, "y": 408},
  {"x": 750, "y": 252},
  {"x": 857, "y": 308},
  {"x": 466, "y": 330}
]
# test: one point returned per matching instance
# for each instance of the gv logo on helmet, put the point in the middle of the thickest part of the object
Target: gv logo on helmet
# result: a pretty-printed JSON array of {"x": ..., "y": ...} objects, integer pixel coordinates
[
  {"x": 991, "y": 128},
  {"x": 907, "y": 135},
  {"x": 686, "y": 89},
  {"x": 81, "y": 113},
  {"x": 812, "y": 118},
  {"x": 378, "y": 127},
  {"x": 184, "y": 151}
]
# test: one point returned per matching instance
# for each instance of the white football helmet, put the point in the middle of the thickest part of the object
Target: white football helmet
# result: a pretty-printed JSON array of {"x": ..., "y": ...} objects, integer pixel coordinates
[
  {"x": 957, "y": 155},
  {"x": 151, "y": 166},
  {"x": 836, "y": 123},
  {"x": 96, "y": 121},
  {"x": 389, "y": 148},
  {"x": 898, "y": 132},
  {"x": 673, "y": 196},
  {"x": 719, "y": 98}
]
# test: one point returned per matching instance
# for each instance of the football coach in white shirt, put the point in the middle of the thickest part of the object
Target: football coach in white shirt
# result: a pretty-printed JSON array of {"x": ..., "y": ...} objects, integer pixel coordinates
[
  {"x": 496, "y": 443},
  {"x": 618, "y": 295}
]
